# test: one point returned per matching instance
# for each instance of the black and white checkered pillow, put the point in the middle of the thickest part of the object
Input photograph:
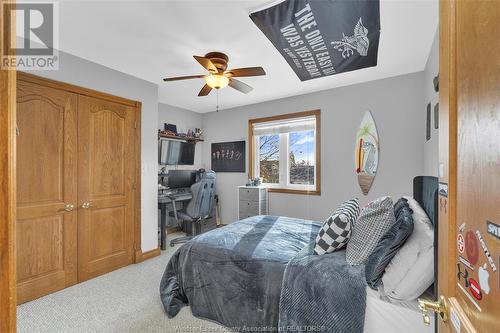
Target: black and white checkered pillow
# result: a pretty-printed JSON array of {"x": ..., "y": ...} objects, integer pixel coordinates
[{"x": 336, "y": 230}]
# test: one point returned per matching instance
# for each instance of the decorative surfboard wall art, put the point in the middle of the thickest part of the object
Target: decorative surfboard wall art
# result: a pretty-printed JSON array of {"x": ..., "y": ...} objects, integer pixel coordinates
[{"x": 367, "y": 149}]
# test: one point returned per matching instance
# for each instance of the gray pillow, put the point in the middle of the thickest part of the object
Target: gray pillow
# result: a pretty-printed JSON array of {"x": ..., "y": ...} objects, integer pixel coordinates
[
  {"x": 401, "y": 203},
  {"x": 387, "y": 247},
  {"x": 411, "y": 271},
  {"x": 375, "y": 219}
]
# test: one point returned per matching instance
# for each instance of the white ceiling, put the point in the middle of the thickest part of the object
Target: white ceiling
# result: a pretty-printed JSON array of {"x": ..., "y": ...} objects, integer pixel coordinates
[{"x": 155, "y": 39}]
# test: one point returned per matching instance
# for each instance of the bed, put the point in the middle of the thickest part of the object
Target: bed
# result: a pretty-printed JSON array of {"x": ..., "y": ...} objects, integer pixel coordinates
[
  {"x": 246, "y": 276},
  {"x": 404, "y": 316}
]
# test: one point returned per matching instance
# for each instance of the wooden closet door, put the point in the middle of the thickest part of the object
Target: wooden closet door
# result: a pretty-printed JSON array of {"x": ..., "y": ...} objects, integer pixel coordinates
[
  {"x": 105, "y": 186},
  {"x": 46, "y": 225}
]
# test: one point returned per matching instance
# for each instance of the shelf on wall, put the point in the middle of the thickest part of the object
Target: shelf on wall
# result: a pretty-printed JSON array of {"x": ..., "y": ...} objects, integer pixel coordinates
[{"x": 183, "y": 138}]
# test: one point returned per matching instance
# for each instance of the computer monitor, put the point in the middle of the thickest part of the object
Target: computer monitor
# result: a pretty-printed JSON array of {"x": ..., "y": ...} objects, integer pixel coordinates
[
  {"x": 181, "y": 178},
  {"x": 172, "y": 152}
]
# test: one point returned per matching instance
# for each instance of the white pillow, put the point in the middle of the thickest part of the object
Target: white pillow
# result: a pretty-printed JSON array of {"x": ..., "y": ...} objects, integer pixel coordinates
[{"x": 411, "y": 271}]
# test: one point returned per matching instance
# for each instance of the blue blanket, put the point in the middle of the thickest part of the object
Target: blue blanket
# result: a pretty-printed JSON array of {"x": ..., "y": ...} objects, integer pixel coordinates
[
  {"x": 259, "y": 275},
  {"x": 233, "y": 275},
  {"x": 324, "y": 293}
]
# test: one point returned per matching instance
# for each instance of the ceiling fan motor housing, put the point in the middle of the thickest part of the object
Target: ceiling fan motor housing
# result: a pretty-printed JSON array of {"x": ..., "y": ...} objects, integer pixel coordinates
[{"x": 219, "y": 59}]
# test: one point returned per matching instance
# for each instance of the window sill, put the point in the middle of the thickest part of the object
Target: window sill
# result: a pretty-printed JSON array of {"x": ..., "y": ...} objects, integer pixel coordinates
[{"x": 292, "y": 191}]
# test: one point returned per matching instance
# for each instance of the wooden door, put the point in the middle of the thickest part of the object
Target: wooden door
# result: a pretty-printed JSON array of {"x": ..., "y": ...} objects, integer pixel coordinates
[
  {"x": 105, "y": 186},
  {"x": 46, "y": 226},
  {"x": 469, "y": 216}
]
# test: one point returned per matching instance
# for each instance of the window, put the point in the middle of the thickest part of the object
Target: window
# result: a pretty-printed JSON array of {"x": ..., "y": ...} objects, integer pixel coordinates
[
  {"x": 269, "y": 162},
  {"x": 285, "y": 152}
]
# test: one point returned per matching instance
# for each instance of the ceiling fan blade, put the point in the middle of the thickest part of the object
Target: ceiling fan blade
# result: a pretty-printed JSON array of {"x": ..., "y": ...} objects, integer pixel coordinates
[
  {"x": 206, "y": 63},
  {"x": 248, "y": 71},
  {"x": 205, "y": 90},
  {"x": 240, "y": 86},
  {"x": 177, "y": 78}
]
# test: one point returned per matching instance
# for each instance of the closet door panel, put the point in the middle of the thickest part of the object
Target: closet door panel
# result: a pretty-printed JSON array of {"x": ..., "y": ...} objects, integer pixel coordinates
[
  {"x": 105, "y": 180},
  {"x": 46, "y": 225}
]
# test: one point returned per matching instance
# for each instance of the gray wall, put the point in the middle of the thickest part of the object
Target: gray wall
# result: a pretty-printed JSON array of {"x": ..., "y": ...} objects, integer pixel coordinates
[
  {"x": 184, "y": 119},
  {"x": 87, "y": 74},
  {"x": 396, "y": 105},
  {"x": 431, "y": 147}
]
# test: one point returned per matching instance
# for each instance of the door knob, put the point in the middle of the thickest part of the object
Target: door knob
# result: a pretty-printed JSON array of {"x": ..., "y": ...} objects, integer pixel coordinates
[
  {"x": 68, "y": 207},
  {"x": 86, "y": 205},
  {"x": 439, "y": 307}
]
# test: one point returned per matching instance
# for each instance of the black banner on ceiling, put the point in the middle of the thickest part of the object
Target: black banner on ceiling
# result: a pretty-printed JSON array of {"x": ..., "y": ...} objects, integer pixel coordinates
[{"x": 323, "y": 37}]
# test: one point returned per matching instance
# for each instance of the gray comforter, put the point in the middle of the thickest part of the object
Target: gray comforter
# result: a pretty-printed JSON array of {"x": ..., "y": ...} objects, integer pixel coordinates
[
  {"x": 323, "y": 293},
  {"x": 235, "y": 276}
]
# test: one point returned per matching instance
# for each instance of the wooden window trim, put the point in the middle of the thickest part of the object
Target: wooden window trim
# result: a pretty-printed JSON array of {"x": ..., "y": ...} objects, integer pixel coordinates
[{"x": 317, "y": 115}]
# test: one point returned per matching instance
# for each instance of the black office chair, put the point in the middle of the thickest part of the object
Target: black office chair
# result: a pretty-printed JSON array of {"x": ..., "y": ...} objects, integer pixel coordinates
[{"x": 199, "y": 208}]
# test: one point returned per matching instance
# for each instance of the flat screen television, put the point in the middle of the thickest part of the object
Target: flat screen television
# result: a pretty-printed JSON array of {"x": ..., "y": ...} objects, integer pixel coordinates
[{"x": 172, "y": 152}]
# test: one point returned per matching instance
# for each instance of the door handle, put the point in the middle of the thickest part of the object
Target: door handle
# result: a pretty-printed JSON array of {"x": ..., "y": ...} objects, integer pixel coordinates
[
  {"x": 68, "y": 207},
  {"x": 86, "y": 205},
  {"x": 439, "y": 307}
]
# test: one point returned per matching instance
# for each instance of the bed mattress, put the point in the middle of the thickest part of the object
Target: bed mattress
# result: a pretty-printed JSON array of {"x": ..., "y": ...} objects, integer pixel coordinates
[{"x": 382, "y": 316}]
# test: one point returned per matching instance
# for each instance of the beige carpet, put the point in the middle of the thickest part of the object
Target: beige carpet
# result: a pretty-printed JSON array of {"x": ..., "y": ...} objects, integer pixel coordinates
[{"x": 126, "y": 300}]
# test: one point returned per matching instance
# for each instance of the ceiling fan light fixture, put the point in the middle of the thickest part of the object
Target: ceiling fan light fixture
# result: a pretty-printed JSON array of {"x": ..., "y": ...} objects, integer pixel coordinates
[
  {"x": 216, "y": 81},
  {"x": 219, "y": 76}
]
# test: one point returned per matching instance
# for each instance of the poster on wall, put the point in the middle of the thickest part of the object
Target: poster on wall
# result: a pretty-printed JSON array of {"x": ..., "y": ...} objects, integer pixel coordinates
[
  {"x": 228, "y": 156},
  {"x": 322, "y": 38}
]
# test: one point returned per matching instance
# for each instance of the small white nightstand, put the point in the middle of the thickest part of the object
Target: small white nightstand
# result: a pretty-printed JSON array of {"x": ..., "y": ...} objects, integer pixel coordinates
[{"x": 252, "y": 200}]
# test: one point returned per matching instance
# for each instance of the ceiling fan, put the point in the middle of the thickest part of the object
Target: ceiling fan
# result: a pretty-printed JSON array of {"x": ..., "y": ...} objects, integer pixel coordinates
[{"x": 219, "y": 77}]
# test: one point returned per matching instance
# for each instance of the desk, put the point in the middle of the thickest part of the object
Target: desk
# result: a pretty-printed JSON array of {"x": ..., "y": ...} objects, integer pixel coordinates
[{"x": 163, "y": 200}]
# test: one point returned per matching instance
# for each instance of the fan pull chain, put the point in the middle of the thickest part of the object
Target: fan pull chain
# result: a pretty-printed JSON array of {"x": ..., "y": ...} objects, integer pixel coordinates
[{"x": 217, "y": 107}]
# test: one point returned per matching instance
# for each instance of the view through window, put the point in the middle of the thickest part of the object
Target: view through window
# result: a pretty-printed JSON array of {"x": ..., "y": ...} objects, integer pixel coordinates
[
  {"x": 284, "y": 153},
  {"x": 269, "y": 153},
  {"x": 302, "y": 157}
]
